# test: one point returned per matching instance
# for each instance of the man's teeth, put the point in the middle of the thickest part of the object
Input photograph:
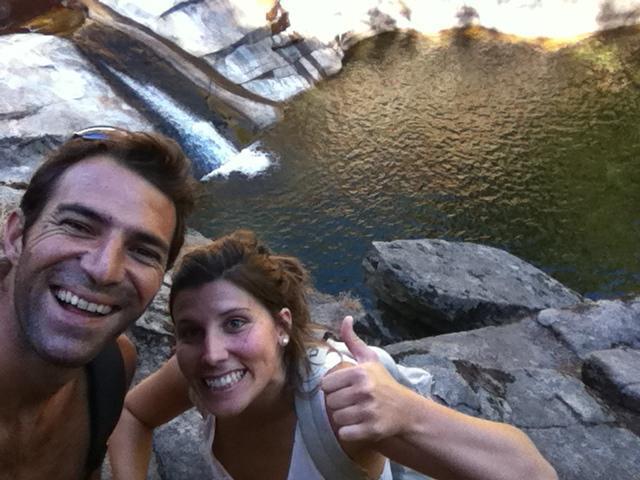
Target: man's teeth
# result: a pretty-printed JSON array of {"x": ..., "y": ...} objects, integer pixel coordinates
[
  {"x": 67, "y": 297},
  {"x": 225, "y": 381}
]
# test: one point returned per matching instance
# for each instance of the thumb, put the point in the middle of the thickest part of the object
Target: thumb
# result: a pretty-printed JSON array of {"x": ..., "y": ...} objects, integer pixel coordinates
[{"x": 360, "y": 351}]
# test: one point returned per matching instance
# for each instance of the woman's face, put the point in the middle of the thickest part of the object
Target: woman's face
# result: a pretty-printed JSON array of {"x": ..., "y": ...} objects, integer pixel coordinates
[{"x": 228, "y": 348}]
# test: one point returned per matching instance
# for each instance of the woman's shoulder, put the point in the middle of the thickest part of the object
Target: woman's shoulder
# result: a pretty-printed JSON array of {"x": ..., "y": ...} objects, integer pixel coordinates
[{"x": 324, "y": 357}]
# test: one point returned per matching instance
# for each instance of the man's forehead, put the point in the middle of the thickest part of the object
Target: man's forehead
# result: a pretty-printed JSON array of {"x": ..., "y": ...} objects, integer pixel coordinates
[
  {"x": 115, "y": 191},
  {"x": 99, "y": 172}
]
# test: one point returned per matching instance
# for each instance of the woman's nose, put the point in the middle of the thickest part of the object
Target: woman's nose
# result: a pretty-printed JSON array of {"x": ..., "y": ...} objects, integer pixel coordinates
[{"x": 215, "y": 349}]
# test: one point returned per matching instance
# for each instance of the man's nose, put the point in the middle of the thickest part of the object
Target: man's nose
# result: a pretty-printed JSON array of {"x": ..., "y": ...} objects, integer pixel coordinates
[
  {"x": 105, "y": 263},
  {"x": 215, "y": 349}
]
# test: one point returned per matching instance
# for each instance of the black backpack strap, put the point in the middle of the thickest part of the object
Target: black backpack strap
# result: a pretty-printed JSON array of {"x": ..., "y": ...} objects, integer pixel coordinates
[{"x": 107, "y": 387}]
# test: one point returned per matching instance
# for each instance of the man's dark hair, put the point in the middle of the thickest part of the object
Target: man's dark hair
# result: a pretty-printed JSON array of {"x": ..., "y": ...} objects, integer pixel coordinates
[{"x": 154, "y": 157}]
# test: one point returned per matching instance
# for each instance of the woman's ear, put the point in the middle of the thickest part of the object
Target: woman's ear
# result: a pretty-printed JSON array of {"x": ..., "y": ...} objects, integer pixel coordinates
[
  {"x": 284, "y": 320},
  {"x": 12, "y": 238}
]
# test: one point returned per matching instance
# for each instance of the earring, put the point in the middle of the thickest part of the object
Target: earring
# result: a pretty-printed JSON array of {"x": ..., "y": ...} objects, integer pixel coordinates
[{"x": 284, "y": 340}]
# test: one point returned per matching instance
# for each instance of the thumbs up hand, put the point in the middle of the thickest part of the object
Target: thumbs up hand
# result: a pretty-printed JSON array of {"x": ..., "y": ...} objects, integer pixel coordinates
[{"x": 363, "y": 401}]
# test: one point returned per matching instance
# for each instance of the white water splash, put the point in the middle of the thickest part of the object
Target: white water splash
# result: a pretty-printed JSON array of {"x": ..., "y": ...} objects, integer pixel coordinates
[
  {"x": 249, "y": 161},
  {"x": 213, "y": 150}
]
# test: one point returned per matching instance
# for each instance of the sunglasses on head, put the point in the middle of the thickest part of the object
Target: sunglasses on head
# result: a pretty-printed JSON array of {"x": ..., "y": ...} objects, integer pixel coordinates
[{"x": 99, "y": 132}]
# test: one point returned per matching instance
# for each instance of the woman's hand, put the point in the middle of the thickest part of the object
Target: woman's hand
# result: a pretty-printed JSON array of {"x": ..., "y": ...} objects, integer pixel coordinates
[{"x": 365, "y": 402}]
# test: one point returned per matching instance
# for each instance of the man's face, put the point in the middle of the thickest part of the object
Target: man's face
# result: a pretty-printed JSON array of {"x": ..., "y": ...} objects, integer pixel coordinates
[{"x": 92, "y": 262}]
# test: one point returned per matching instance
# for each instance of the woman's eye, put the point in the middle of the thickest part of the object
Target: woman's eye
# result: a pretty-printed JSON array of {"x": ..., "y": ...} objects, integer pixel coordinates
[{"x": 236, "y": 323}]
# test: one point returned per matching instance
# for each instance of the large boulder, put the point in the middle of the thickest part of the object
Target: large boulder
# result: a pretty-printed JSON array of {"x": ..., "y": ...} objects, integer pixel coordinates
[
  {"x": 47, "y": 90},
  {"x": 455, "y": 286}
]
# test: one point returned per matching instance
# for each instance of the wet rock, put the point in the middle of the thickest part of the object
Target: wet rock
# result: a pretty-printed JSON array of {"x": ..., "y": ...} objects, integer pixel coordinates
[
  {"x": 37, "y": 116},
  {"x": 454, "y": 286},
  {"x": 616, "y": 375}
]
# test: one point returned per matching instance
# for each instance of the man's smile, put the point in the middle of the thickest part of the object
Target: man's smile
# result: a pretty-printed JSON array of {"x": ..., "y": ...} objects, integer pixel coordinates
[{"x": 69, "y": 298}]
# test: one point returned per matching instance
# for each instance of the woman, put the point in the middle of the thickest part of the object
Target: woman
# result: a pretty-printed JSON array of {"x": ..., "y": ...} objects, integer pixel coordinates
[{"x": 244, "y": 339}]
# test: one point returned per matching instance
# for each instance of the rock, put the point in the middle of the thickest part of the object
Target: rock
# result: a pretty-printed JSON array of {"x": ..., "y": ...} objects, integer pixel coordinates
[
  {"x": 39, "y": 115},
  {"x": 586, "y": 328},
  {"x": 589, "y": 452},
  {"x": 9, "y": 199},
  {"x": 236, "y": 40},
  {"x": 454, "y": 286},
  {"x": 181, "y": 459},
  {"x": 199, "y": 27},
  {"x": 376, "y": 329},
  {"x": 616, "y": 375},
  {"x": 525, "y": 344},
  {"x": 329, "y": 311},
  {"x": 528, "y": 375}
]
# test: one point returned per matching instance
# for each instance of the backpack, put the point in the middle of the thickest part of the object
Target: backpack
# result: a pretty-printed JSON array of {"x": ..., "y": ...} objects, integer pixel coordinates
[
  {"x": 107, "y": 387},
  {"x": 323, "y": 447}
]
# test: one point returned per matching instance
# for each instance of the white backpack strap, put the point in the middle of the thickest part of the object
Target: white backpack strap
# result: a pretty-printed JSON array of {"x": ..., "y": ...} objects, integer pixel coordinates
[{"x": 321, "y": 443}]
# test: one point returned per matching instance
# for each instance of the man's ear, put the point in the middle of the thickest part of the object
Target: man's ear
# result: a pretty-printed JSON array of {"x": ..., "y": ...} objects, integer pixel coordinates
[
  {"x": 12, "y": 239},
  {"x": 284, "y": 320}
]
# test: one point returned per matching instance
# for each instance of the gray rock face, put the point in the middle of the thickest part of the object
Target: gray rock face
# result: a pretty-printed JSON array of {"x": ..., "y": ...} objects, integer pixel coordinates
[
  {"x": 199, "y": 27},
  {"x": 451, "y": 286},
  {"x": 586, "y": 328},
  {"x": 47, "y": 90},
  {"x": 584, "y": 452},
  {"x": 616, "y": 374},
  {"x": 529, "y": 374},
  {"x": 234, "y": 38}
]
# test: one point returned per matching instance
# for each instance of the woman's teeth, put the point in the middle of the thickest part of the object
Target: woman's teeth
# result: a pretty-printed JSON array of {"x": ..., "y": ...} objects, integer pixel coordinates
[
  {"x": 66, "y": 296},
  {"x": 225, "y": 381}
]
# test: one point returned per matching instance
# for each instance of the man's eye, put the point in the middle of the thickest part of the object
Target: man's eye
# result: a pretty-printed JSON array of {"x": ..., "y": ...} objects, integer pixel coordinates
[
  {"x": 147, "y": 254},
  {"x": 76, "y": 225}
]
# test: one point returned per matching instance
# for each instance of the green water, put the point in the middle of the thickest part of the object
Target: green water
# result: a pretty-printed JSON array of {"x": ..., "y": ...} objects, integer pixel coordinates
[{"x": 475, "y": 139}]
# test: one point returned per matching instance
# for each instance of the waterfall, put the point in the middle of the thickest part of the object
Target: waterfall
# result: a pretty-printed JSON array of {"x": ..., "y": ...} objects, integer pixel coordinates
[{"x": 211, "y": 152}]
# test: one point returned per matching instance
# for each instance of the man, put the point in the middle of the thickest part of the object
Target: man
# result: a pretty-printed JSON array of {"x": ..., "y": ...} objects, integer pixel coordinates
[{"x": 101, "y": 221}]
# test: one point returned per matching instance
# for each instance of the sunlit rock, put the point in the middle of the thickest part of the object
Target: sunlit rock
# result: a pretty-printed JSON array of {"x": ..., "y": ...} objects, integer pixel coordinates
[
  {"x": 560, "y": 19},
  {"x": 47, "y": 91}
]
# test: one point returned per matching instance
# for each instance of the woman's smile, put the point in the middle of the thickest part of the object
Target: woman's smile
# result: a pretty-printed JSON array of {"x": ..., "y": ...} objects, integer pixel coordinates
[{"x": 226, "y": 381}]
